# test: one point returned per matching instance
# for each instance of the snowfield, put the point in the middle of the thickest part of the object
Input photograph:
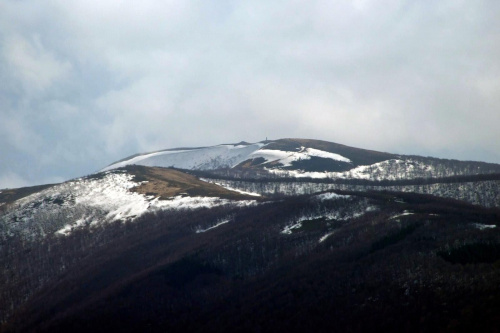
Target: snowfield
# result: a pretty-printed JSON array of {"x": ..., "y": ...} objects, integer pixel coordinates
[
  {"x": 88, "y": 202},
  {"x": 224, "y": 156}
]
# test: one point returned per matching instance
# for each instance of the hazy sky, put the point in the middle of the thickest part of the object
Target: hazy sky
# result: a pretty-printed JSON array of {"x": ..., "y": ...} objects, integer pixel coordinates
[{"x": 85, "y": 83}]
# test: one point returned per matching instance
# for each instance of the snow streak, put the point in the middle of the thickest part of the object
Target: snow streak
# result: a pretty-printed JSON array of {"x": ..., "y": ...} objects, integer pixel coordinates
[{"x": 286, "y": 158}]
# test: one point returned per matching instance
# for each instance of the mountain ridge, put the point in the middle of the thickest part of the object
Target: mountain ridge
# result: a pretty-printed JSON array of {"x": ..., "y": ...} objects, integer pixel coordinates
[{"x": 295, "y": 157}]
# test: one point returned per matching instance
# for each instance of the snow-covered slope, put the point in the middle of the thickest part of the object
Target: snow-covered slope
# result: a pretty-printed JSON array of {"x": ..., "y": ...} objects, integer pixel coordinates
[
  {"x": 206, "y": 158},
  {"x": 88, "y": 202}
]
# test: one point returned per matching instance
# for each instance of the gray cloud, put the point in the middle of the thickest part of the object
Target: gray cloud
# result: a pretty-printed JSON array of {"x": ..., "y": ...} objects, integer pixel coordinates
[{"x": 84, "y": 83}]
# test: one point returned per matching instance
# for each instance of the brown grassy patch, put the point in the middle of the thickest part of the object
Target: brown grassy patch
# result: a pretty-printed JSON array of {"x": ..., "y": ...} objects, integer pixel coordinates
[{"x": 167, "y": 183}]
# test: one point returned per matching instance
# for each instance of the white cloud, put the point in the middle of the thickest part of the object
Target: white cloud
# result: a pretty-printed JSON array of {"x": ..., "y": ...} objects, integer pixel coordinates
[
  {"x": 83, "y": 83},
  {"x": 12, "y": 180},
  {"x": 36, "y": 67},
  {"x": 19, "y": 136}
]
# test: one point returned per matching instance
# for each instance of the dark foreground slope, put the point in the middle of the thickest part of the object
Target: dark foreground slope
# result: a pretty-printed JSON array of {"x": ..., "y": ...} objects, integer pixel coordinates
[{"x": 384, "y": 262}]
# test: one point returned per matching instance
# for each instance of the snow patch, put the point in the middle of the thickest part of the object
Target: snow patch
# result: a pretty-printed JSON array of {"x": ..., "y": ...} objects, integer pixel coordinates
[
  {"x": 325, "y": 154},
  {"x": 180, "y": 202},
  {"x": 325, "y": 236},
  {"x": 231, "y": 188},
  {"x": 405, "y": 213},
  {"x": 288, "y": 230},
  {"x": 330, "y": 196},
  {"x": 286, "y": 158},
  {"x": 218, "y": 224},
  {"x": 68, "y": 228},
  {"x": 337, "y": 215},
  {"x": 138, "y": 207},
  {"x": 481, "y": 226}
]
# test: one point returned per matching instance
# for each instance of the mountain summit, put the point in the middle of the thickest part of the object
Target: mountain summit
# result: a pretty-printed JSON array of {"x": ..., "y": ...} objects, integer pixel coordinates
[
  {"x": 286, "y": 154},
  {"x": 305, "y": 158}
]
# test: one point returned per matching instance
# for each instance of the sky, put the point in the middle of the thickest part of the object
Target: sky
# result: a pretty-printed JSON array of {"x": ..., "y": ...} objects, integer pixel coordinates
[{"x": 84, "y": 83}]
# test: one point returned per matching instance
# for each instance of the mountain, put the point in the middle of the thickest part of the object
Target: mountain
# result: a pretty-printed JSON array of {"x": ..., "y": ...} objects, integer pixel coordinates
[
  {"x": 306, "y": 159},
  {"x": 300, "y": 166},
  {"x": 283, "y": 235}
]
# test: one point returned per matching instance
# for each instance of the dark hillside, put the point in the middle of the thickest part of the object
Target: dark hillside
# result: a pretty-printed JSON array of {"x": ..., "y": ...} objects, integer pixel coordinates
[
  {"x": 10, "y": 195},
  {"x": 390, "y": 243},
  {"x": 356, "y": 155},
  {"x": 394, "y": 268}
]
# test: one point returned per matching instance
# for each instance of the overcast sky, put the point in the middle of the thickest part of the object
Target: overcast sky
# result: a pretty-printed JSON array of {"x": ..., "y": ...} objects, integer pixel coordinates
[{"x": 84, "y": 83}]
